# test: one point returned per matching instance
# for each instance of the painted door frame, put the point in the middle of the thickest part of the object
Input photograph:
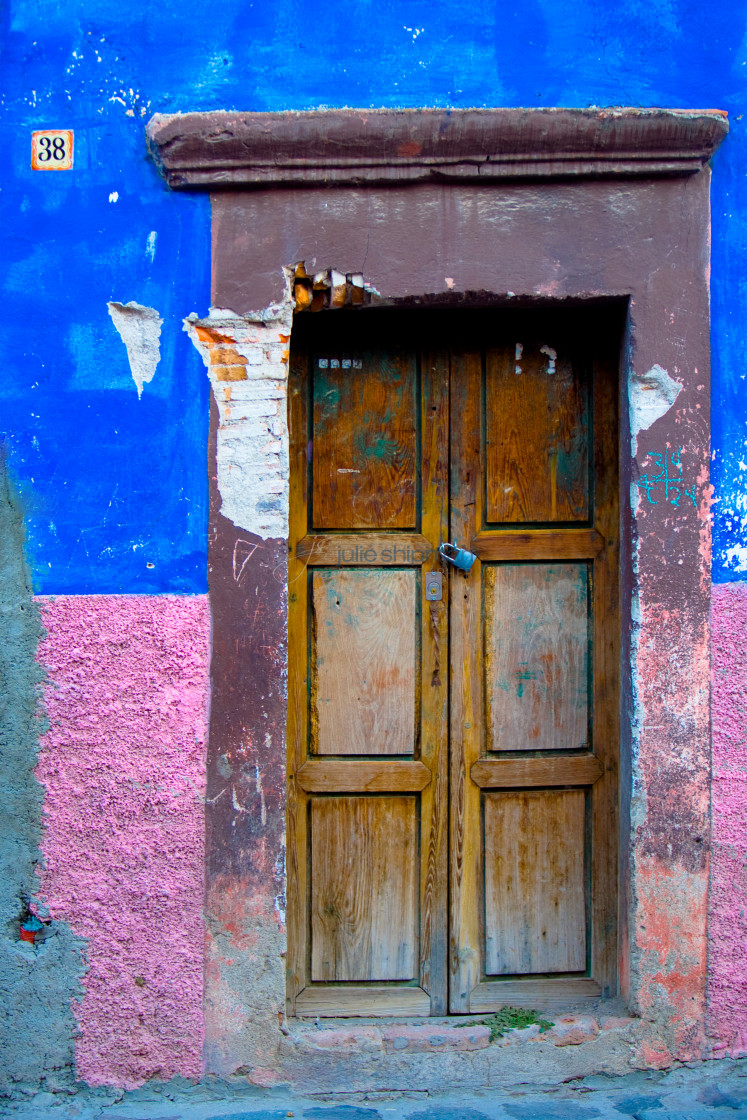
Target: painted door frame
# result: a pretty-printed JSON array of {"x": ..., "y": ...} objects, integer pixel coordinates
[{"x": 438, "y": 206}]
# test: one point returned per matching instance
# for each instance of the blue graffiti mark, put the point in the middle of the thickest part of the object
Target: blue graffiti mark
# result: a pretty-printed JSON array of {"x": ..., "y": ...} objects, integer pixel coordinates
[{"x": 673, "y": 484}]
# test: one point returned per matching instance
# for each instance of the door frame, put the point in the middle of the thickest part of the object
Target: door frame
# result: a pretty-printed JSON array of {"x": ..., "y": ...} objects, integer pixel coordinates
[{"x": 445, "y": 205}]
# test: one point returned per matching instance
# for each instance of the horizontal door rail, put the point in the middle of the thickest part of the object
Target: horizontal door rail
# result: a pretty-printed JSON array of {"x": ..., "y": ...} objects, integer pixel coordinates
[
  {"x": 364, "y": 776},
  {"x": 537, "y": 544},
  {"x": 517, "y": 773},
  {"x": 330, "y": 1001},
  {"x": 365, "y": 549}
]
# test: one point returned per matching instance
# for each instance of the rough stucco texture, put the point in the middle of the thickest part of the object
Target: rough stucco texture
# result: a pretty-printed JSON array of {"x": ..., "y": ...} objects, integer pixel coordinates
[
  {"x": 123, "y": 766},
  {"x": 727, "y": 989},
  {"x": 39, "y": 983}
]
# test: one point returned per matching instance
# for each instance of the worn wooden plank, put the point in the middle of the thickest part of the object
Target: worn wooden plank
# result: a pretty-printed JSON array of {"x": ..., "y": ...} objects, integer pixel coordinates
[
  {"x": 362, "y": 1001},
  {"x": 537, "y": 544},
  {"x": 549, "y": 995},
  {"x": 366, "y": 550},
  {"x": 338, "y": 776},
  {"x": 606, "y": 665},
  {"x": 297, "y": 733},
  {"x": 364, "y": 441},
  {"x": 466, "y": 683},
  {"x": 363, "y": 901},
  {"x": 363, "y": 662},
  {"x": 536, "y": 656},
  {"x": 535, "y": 907},
  {"x": 537, "y": 454},
  {"x": 434, "y": 728},
  {"x": 512, "y": 773}
]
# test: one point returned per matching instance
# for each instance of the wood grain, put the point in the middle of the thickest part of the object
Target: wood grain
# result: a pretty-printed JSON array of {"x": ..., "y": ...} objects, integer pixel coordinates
[
  {"x": 364, "y": 441},
  {"x": 296, "y": 805},
  {"x": 551, "y": 995},
  {"x": 536, "y": 656},
  {"x": 512, "y": 773},
  {"x": 365, "y": 549},
  {"x": 337, "y": 776},
  {"x": 363, "y": 662},
  {"x": 363, "y": 901},
  {"x": 606, "y": 668},
  {"x": 535, "y": 908},
  {"x": 466, "y": 716},
  {"x": 329, "y": 1001},
  {"x": 537, "y": 544},
  {"x": 537, "y": 449},
  {"x": 434, "y": 685}
]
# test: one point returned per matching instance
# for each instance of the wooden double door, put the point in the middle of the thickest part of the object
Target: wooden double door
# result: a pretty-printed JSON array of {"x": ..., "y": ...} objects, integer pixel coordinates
[{"x": 452, "y": 759}]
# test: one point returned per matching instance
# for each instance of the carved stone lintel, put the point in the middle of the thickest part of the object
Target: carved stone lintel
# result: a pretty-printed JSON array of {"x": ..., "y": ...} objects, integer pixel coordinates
[{"x": 397, "y": 146}]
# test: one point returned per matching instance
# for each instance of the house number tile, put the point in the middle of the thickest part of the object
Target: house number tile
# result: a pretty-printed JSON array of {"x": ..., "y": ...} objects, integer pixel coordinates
[{"x": 52, "y": 150}]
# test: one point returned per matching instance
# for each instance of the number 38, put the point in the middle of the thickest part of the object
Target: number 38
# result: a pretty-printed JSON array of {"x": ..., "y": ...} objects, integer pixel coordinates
[{"x": 52, "y": 148}]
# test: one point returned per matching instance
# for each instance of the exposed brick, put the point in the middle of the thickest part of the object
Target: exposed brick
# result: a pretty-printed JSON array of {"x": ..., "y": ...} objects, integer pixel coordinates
[
  {"x": 347, "y": 1039},
  {"x": 572, "y": 1030},
  {"x": 615, "y": 1022}
]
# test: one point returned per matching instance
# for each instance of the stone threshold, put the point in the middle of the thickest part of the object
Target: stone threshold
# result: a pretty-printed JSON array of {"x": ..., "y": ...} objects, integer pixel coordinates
[{"x": 453, "y": 1033}]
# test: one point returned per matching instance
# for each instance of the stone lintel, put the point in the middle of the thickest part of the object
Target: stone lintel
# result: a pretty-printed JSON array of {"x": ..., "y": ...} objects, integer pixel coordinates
[{"x": 353, "y": 147}]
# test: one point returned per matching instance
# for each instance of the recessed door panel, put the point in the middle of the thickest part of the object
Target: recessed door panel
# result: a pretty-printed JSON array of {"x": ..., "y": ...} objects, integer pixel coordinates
[
  {"x": 535, "y": 896},
  {"x": 537, "y": 669},
  {"x": 364, "y": 440},
  {"x": 537, "y": 448},
  {"x": 363, "y": 670},
  {"x": 364, "y": 902}
]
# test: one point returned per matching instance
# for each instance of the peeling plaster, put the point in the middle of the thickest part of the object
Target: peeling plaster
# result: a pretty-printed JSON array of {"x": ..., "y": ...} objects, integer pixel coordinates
[
  {"x": 652, "y": 394},
  {"x": 140, "y": 329},
  {"x": 247, "y": 362}
]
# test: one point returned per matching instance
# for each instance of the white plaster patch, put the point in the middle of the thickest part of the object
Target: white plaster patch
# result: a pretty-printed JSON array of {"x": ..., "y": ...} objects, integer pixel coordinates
[
  {"x": 150, "y": 244},
  {"x": 652, "y": 394},
  {"x": 114, "y": 196},
  {"x": 247, "y": 362},
  {"x": 736, "y": 558},
  {"x": 552, "y": 357},
  {"x": 140, "y": 329}
]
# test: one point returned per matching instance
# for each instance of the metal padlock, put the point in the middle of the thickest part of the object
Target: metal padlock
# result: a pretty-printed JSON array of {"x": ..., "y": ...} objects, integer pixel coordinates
[{"x": 460, "y": 557}]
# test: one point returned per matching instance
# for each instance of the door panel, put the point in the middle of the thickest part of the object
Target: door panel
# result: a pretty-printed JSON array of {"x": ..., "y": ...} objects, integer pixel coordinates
[
  {"x": 536, "y": 656},
  {"x": 535, "y": 906},
  {"x": 364, "y": 466},
  {"x": 537, "y": 449},
  {"x": 363, "y": 902},
  {"x": 452, "y": 790},
  {"x": 363, "y": 662}
]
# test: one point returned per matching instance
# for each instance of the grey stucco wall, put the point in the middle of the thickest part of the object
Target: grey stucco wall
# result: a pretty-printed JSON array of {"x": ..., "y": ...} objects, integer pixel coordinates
[{"x": 37, "y": 982}]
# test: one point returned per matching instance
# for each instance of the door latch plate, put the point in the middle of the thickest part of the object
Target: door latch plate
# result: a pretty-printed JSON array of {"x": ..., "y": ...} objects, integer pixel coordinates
[{"x": 434, "y": 586}]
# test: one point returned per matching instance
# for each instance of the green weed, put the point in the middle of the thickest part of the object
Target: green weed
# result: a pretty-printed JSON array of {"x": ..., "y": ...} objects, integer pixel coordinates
[{"x": 509, "y": 1019}]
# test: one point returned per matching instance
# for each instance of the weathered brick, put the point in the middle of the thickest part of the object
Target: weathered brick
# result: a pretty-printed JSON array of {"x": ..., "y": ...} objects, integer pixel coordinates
[
  {"x": 572, "y": 1030},
  {"x": 615, "y": 1022},
  {"x": 347, "y": 1039}
]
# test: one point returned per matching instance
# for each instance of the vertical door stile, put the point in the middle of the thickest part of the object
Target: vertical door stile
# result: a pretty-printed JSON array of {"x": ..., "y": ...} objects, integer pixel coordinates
[
  {"x": 606, "y": 669},
  {"x": 434, "y": 805},
  {"x": 466, "y": 681},
  {"x": 297, "y": 729}
]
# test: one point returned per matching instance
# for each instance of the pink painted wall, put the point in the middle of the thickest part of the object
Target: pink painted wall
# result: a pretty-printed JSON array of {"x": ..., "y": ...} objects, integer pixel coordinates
[
  {"x": 727, "y": 981},
  {"x": 123, "y": 765}
]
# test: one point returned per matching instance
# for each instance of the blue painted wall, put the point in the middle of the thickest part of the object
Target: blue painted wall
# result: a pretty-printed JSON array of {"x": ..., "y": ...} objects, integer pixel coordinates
[{"x": 115, "y": 486}]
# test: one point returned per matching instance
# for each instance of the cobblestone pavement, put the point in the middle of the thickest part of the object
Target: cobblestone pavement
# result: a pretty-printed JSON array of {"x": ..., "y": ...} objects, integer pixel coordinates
[{"x": 702, "y": 1091}]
